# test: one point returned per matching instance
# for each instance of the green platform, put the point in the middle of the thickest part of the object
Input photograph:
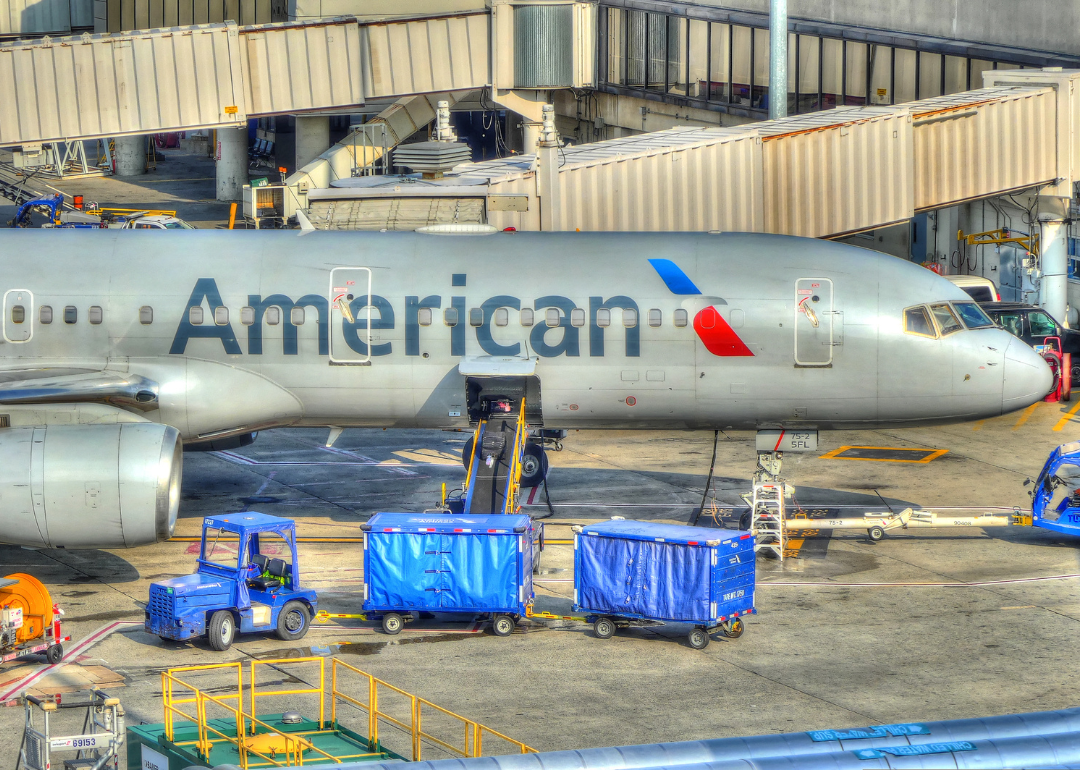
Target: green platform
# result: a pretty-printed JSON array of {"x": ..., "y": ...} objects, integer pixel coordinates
[{"x": 335, "y": 740}]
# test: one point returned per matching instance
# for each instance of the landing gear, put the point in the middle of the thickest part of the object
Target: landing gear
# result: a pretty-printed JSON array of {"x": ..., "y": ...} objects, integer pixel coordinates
[{"x": 534, "y": 465}]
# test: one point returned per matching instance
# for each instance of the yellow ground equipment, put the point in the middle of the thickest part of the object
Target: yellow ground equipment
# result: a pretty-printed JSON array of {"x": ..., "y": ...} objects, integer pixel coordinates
[{"x": 29, "y": 621}]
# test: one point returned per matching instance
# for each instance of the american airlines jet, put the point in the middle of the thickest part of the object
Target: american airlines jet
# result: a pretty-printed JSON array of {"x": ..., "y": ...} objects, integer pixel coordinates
[{"x": 121, "y": 347}]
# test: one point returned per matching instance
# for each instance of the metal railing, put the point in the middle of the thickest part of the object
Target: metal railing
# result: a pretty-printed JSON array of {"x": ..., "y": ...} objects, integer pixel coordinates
[
  {"x": 320, "y": 690},
  {"x": 172, "y": 703},
  {"x": 472, "y": 732},
  {"x": 513, "y": 478}
]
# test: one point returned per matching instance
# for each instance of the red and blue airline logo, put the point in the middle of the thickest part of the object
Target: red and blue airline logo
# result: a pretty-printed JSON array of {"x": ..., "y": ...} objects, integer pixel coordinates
[{"x": 711, "y": 328}]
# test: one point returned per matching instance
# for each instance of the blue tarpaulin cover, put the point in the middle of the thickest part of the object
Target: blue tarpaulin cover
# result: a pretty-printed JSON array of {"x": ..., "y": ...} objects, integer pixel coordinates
[
  {"x": 640, "y": 569},
  {"x": 448, "y": 563}
]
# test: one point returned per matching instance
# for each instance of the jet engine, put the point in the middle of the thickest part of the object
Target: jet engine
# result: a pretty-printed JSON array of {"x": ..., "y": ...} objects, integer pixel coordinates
[{"x": 89, "y": 486}]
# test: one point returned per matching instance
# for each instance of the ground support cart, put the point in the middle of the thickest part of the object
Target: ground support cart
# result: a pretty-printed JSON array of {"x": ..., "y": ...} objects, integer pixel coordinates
[
  {"x": 448, "y": 564},
  {"x": 29, "y": 620},
  {"x": 640, "y": 573}
]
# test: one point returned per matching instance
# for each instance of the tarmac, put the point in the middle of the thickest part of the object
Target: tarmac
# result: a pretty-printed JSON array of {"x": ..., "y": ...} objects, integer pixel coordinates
[{"x": 924, "y": 625}]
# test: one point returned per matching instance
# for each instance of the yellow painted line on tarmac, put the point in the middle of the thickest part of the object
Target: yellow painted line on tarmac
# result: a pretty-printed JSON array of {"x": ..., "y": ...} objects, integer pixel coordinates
[
  {"x": 791, "y": 548},
  {"x": 1068, "y": 416},
  {"x": 978, "y": 425},
  {"x": 1026, "y": 414}
]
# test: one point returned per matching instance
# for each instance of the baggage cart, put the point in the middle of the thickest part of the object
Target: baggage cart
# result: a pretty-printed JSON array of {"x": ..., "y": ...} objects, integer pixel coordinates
[
  {"x": 636, "y": 573},
  {"x": 445, "y": 563}
]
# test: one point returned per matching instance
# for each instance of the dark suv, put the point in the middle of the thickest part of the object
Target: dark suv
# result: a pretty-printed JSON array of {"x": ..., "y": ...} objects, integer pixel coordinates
[{"x": 1033, "y": 325}]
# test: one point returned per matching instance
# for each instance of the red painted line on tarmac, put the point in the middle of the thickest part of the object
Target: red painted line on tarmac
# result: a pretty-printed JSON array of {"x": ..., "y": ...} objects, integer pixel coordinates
[{"x": 532, "y": 495}]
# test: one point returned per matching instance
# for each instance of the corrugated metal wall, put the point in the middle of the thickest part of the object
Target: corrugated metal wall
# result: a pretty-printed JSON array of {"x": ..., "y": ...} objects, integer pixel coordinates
[
  {"x": 137, "y": 84},
  {"x": 296, "y": 67},
  {"x": 543, "y": 46},
  {"x": 825, "y": 175},
  {"x": 35, "y": 17},
  {"x": 983, "y": 143},
  {"x": 445, "y": 54}
]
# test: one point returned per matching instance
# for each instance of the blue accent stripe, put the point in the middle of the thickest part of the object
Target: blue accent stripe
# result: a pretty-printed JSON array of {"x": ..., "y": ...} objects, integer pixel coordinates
[{"x": 677, "y": 281}]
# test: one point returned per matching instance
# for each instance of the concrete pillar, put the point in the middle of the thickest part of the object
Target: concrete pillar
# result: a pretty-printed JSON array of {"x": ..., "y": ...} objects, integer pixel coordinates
[
  {"x": 1054, "y": 248},
  {"x": 129, "y": 153},
  {"x": 530, "y": 135},
  {"x": 312, "y": 138},
  {"x": 232, "y": 163},
  {"x": 946, "y": 223}
]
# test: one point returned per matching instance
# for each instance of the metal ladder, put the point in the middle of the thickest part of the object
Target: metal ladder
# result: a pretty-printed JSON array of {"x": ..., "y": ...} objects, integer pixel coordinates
[{"x": 767, "y": 516}]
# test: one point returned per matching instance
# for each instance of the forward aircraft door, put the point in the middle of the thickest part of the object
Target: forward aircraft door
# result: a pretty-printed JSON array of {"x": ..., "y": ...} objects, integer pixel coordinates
[
  {"x": 18, "y": 315},
  {"x": 350, "y": 316},
  {"x": 818, "y": 327}
]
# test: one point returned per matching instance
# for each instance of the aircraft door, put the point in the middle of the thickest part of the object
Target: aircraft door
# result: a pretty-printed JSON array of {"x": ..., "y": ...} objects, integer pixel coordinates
[
  {"x": 350, "y": 316},
  {"x": 18, "y": 315},
  {"x": 814, "y": 322}
]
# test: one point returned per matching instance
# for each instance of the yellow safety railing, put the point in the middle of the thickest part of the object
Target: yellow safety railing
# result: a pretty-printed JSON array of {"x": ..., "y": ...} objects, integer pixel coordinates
[
  {"x": 513, "y": 484},
  {"x": 472, "y": 455},
  {"x": 295, "y": 691},
  {"x": 472, "y": 732},
  {"x": 172, "y": 703}
]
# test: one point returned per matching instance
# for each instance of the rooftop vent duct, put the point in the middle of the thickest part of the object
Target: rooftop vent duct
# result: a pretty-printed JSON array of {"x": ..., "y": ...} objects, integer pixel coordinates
[{"x": 432, "y": 159}]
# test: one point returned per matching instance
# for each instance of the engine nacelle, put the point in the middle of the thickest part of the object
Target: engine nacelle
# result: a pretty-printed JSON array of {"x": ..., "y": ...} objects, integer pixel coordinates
[{"x": 89, "y": 486}]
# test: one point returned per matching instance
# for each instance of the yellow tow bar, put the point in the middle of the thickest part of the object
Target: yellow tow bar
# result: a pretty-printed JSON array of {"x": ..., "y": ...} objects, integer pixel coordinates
[
  {"x": 548, "y": 616},
  {"x": 322, "y": 616}
]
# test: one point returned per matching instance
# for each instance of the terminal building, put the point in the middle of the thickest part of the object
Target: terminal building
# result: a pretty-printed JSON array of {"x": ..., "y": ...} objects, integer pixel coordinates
[{"x": 943, "y": 135}]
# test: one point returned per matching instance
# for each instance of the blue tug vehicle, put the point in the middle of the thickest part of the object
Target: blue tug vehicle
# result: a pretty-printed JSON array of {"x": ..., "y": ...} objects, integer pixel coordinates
[{"x": 247, "y": 581}]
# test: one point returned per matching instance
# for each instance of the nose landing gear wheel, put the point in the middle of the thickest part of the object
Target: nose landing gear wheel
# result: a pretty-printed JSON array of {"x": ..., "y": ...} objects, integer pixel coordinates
[
  {"x": 733, "y": 629},
  {"x": 875, "y": 533},
  {"x": 698, "y": 639},
  {"x": 534, "y": 465},
  {"x": 392, "y": 623},
  {"x": 503, "y": 625},
  {"x": 604, "y": 628}
]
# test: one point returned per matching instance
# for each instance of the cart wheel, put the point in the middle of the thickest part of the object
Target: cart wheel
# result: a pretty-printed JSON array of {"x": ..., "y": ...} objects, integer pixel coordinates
[
  {"x": 222, "y": 630},
  {"x": 698, "y": 639},
  {"x": 733, "y": 628},
  {"x": 55, "y": 654},
  {"x": 392, "y": 623},
  {"x": 604, "y": 628},
  {"x": 875, "y": 534},
  {"x": 502, "y": 625},
  {"x": 293, "y": 621},
  {"x": 744, "y": 521}
]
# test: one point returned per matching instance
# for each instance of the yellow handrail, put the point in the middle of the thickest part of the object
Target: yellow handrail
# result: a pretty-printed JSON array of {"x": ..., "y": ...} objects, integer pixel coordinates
[
  {"x": 472, "y": 455},
  {"x": 170, "y": 703},
  {"x": 514, "y": 479},
  {"x": 320, "y": 690}
]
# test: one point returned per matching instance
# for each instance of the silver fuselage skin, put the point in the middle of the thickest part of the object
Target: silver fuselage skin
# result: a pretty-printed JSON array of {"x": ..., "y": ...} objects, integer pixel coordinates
[{"x": 857, "y": 368}]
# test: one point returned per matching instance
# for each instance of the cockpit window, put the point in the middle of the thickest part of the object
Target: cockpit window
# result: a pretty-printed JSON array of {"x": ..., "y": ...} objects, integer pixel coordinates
[
  {"x": 946, "y": 319},
  {"x": 972, "y": 315},
  {"x": 917, "y": 321}
]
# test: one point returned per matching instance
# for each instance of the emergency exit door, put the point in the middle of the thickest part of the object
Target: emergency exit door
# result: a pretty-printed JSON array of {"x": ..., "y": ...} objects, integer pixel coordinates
[
  {"x": 18, "y": 315},
  {"x": 351, "y": 316},
  {"x": 815, "y": 322}
]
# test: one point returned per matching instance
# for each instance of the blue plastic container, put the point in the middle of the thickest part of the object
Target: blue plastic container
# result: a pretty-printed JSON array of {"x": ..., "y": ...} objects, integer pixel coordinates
[
  {"x": 639, "y": 570},
  {"x": 448, "y": 564}
]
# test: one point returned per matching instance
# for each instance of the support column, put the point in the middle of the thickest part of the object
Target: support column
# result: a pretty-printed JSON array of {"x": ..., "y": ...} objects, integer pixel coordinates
[
  {"x": 312, "y": 138},
  {"x": 130, "y": 155},
  {"x": 1054, "y": 255},
  {"x": 944, "y": 243},
  {"x": 778, "y": 58},
  {"x": 530, "y": 135},
  {"x": 232, "y": 163},
  {"x": 547, "y": 172}
]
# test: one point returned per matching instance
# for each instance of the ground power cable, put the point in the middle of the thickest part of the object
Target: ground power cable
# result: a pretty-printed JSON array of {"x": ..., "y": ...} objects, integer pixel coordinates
[{"x": 708, "y": 481}]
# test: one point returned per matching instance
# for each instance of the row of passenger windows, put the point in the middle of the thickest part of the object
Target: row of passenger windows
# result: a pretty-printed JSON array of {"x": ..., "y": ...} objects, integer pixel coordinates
[{"x": 94, "y": 314}]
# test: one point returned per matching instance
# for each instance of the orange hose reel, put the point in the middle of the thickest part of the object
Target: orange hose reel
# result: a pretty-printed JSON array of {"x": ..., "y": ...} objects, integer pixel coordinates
[{"x": 29, "y": 595}]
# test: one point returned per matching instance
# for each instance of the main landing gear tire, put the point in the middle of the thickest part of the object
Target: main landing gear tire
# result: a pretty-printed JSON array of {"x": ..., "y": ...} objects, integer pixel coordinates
[
  {"x": 293, "y": 621},
  {"x": 604, "y": 628},
  {"x": 55, "y": 654},
  {"x": 745, "y": 521},
  {"x": 392, "y": 623},
  {"x": 534, "y": 465},
  {"x": 222, "y": 630},
  {"x": 733, "y": 629},
  {"x": 875, "y": 534},
  {"x": 502, "y": 625},
  {"x": 698, "y": 639}
]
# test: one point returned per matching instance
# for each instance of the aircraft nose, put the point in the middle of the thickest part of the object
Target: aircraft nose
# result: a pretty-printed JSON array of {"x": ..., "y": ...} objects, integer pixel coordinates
[{"x": 1027, "y": 377}]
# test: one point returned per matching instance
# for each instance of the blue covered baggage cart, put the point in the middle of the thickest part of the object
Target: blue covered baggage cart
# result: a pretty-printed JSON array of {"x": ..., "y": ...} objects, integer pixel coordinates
[
  {"x": 628, "y": 572},
  {"x": 442, "y": 563}
]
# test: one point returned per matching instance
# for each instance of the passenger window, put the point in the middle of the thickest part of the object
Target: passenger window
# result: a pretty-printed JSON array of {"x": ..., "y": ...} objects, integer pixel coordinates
[
  {"x": 603, "y": 318},
  {"x": 656, "y": 317},
  {"x": 18, "y": 314},
  {"x": 502, "y": 316},
  {"x": 45, "y": 314},
  {"x": 917, "y": 321},
  {"x": 146, "y": 315},
  {"x": 972, "y": 315},
  {"x": 94, "y": 314},
  {"x": 1042, "y": 325},
  {"x": 273, "y": 315},
  {"x": 195, "y": 315},
  {"x": 680, "y": 317},
  {"x": 296, "y": 316},
  {"x": 1011, "y": 323},
  {"x": 629, "y": 317},
  {"x": 476, "y": 317},
  {"x": 552, "y": 317},
  {"x": 423, "y": 316},
  {"x": 528, "y": 318},
  {"x": 71, "y": 315},
  {"x": 577, "y": 317},
  {"x": 450, "y": 316},
  {"x": 946, "y": 319},
  {"x": 221, "y": 316},
  {"x": 247, "y": 315}
]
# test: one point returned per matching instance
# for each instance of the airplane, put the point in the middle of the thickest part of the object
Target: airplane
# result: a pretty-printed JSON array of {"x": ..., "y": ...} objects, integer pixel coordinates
[{"x": 122, "y": 348}]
